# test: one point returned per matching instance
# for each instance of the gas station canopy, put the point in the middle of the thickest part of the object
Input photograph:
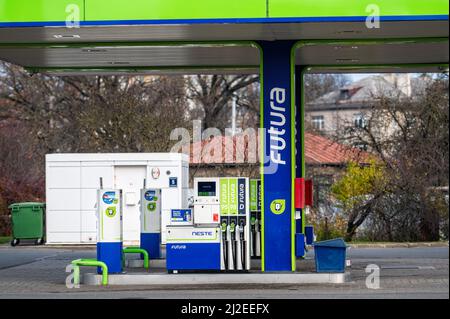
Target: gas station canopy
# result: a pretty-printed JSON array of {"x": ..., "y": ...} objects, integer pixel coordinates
[
  {"x": 279, "y": 39},
  {"x": 203, "y": 36}
]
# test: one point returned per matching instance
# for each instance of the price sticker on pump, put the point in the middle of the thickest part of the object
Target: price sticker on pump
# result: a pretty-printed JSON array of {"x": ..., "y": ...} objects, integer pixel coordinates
[{"x": 181, "y": 217}]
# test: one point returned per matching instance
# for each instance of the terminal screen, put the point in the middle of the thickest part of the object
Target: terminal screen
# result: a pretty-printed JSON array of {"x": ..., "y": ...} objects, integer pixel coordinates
[{"x": 206, "y": 189}]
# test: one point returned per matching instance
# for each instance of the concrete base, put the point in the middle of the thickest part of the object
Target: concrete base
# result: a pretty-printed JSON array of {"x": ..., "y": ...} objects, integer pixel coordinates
[
  {"x": 158, "y": 276},
  {"x": 139, "y": 263},
  {"x": 217, "y": 280},
  {"x": 303, "y": 265}
]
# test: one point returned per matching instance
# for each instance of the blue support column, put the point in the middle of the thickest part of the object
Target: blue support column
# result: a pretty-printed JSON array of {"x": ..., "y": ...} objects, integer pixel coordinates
[
  {"x": 151, "y": 242},
  {"x": 299, "y": 152},
  {"x": 278, "y": 250},
  {"x": 111, "y": 255},
  {"x": 299, "y": 140}
]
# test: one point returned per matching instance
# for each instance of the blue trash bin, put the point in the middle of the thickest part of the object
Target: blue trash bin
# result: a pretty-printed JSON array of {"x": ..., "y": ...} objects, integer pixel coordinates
[
  {"x": 330, "y": 256},
  {"x": 309, "y": 232}
]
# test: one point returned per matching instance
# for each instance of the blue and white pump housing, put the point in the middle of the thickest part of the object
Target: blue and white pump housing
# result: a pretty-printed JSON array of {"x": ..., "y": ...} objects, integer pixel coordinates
[
  {"x": 151, "y": 221},
  {"x": 109, "y": 228}
]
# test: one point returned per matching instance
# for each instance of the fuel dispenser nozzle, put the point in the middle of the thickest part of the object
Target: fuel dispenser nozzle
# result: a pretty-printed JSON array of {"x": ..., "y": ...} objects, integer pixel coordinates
[
  {"x": 252, "y": 236},
  {"x": 233, "y": 230},
  {"x": 257, "y": 238},
  {"x": 231, "y": 235},
  {"x": 223, "y": 227},
  {"x": 243, "y": 246},
  {"x": 224, "y": 259},
  {"x": 238, "y": 244}
]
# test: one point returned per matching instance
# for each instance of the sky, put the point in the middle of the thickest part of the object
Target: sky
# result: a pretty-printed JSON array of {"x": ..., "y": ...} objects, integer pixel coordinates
[{"x": 356, "y": 77}]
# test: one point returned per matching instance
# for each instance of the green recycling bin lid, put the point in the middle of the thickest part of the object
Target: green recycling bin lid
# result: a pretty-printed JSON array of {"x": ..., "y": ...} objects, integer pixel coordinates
[{"x": 27, "y": 204}]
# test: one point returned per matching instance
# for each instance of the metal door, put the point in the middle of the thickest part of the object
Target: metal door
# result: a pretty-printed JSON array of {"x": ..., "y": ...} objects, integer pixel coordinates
[{"x": 130, "y": 179}]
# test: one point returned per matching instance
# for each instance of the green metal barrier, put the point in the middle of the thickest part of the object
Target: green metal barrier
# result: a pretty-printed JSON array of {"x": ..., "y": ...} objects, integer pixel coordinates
[
  {"x": 137, "y": 250},
  {"x": 89, "y": 263}
]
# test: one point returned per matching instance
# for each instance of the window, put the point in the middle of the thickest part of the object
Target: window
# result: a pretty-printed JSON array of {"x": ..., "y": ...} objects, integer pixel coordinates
[
  {"x": 360, "y": 121},
  {"x": 362, "y": 146},
  {"x": 345, "y": 94},
  {"x": 318, "y": 122}
]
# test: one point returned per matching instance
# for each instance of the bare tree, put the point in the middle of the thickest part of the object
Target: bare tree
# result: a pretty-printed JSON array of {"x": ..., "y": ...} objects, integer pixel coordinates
[
  {"x": 21, "y": 175},
  {"x": 409, "y": 135},
  {"x": 137, "y": 120},
  {"x": 211, "y": 95},
  {"x": 95, "y": 113},
  {"x": 43, "y": 114}
]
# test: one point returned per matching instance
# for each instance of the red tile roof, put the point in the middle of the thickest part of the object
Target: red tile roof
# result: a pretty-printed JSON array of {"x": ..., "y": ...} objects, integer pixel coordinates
[
  {"x": 319, "y": 150},
  {"x": 234, "y": 150},
  {"x": 323, "y": 151}
]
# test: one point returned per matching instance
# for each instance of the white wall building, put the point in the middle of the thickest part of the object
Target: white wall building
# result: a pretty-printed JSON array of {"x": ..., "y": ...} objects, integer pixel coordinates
[{"x": 72, "y": 181}]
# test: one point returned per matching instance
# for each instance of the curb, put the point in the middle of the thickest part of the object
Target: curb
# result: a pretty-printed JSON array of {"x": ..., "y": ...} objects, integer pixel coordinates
[
  {"x": 401, "y": 245},
  {"x": 61, "y": 247}
]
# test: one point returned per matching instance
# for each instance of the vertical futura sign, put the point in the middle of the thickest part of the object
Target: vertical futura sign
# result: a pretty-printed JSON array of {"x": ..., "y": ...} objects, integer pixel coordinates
[
  {"x": 233, "y": 196},
  {"x": 242, "y": 193},
  {"x": 255, "y": 195},
  {"x": 278, "y": 154},
  {"x": 277, "y": 131}
]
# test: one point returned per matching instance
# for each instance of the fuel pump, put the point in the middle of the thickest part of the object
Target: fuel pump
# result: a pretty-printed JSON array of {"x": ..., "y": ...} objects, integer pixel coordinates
[
  {"x": 197, "y": 245},
  {"x": 151, "y": 221},
  {"x": 225, "y": 226},
  {"x": 235, "y": 219},
  {"x": 109, "y": 228},
  {"x": 219, "y": 237}
]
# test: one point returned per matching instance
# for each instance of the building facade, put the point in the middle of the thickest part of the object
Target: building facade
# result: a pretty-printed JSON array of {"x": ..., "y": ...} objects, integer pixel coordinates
[{"x": 352, "y": 104}]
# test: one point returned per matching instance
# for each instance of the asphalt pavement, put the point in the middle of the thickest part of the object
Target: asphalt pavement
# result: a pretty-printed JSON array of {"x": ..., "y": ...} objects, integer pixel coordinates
[{"x": 30, "y": 272}]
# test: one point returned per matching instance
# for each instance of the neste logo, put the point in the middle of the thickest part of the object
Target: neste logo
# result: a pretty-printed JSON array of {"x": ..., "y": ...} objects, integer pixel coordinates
[
  {"x": 202, "y": 233},
  {"x": 277, "y": 121}
]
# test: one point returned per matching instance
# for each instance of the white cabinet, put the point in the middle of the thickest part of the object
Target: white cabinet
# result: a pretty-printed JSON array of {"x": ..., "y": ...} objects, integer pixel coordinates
[{"x": 72, "y": 181}]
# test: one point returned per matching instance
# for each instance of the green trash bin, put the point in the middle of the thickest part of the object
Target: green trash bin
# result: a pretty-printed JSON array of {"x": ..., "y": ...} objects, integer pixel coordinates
[{"x": 27, "y": 221}]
